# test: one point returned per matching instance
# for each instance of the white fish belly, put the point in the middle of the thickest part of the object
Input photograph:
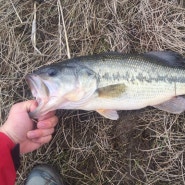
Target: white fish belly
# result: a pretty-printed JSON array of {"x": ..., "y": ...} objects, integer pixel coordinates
[{"x": 137, "y": 96}]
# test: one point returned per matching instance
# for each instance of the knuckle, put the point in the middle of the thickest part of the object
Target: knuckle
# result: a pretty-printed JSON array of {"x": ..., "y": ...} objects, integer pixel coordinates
[
  {"x": 53, "y": 121},
  {"x": 52, "y": 130},
  {"x": 55, "y": 118},
  {"x": 47, "y": 139}
]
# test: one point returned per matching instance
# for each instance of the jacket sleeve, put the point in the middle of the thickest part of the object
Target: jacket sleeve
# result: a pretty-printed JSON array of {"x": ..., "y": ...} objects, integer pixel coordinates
[{"x": 9, "y": 160}]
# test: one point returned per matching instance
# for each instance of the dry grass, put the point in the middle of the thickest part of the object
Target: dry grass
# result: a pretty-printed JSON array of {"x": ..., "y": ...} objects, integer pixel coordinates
[{"x": 142, "y": 147}]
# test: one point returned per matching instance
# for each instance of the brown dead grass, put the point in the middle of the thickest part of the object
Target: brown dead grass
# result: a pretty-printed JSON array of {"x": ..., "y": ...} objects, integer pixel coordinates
[{"x": 142, "y": 147}]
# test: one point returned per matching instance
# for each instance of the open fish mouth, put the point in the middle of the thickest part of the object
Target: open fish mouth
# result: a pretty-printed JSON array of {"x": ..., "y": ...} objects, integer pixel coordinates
[
  {"x": 40, "y": 91},
  {"x": 32, "y": 84},
  {"x": 38, "y": 88}
]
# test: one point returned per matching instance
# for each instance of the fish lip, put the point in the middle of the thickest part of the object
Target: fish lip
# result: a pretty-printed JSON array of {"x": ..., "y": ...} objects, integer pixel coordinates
[{"x": 31, "y": 83}]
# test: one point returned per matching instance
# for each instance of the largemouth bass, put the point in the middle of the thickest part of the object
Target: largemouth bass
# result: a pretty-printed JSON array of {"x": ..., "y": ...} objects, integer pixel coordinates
[{"x": 111, "y": 81}]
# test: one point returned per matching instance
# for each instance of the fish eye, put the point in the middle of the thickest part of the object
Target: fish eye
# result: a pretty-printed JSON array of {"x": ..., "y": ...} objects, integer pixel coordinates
[{"x": 52, "y": 72}]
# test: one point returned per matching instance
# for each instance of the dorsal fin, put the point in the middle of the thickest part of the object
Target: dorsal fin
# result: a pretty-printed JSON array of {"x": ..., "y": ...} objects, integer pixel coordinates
[{"x": 168, "y": 58}]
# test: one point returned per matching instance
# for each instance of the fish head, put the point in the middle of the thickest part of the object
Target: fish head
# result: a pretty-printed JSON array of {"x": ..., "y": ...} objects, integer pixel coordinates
[
  {"x": 55, "y": 85},
  {"x": 49, "y": 85},
  {"x": 48, "y": 82}
]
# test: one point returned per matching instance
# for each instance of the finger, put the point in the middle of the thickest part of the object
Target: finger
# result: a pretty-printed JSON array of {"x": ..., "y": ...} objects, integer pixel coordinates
[
  {"x": 39, "y": 133},
  {"x": 29, "y": 147},
  {"x": 48, "y": 123},
  {"x": 46, "y": 116},
  {"x": 43, "y": 140}
]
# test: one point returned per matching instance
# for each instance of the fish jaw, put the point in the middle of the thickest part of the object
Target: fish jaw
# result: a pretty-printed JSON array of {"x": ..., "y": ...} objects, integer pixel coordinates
[
  {"x": 38, "y": 111},
  {"x": 46, "y": 106}
]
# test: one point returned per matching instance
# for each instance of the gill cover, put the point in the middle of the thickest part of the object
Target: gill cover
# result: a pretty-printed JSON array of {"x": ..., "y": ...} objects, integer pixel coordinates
[{"x": 86, "y": 85}]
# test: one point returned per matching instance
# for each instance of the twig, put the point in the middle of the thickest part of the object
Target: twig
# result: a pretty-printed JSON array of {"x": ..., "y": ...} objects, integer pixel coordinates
[
  {"x": 16, "y": 12},
  {"x": 34, "y": 30},
  {"x": 65, "y": 32},
  {"x": 59, "y": 31}
]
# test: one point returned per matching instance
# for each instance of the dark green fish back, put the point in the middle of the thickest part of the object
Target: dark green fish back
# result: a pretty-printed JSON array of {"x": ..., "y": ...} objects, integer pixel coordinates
[{"x": 163, "y": 58}]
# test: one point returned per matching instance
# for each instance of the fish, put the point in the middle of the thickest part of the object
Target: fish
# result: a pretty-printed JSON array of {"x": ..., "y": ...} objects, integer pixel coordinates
[{"x": 109, "y": 82}]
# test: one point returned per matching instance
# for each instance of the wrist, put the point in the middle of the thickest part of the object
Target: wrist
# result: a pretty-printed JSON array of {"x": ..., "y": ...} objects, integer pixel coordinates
[{"x": 4, "y": 131}]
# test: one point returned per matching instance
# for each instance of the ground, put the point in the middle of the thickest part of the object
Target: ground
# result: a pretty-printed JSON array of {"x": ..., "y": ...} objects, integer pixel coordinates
[{"x": 144, "y": 146}]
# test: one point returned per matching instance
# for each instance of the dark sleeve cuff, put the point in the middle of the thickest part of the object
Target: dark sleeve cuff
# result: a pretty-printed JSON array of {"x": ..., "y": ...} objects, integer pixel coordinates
[{"x": 15, "y": 152}]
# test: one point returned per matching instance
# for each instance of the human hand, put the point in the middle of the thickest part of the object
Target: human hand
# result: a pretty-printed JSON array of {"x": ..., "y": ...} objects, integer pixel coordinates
[{"x": 19, "y": 127}]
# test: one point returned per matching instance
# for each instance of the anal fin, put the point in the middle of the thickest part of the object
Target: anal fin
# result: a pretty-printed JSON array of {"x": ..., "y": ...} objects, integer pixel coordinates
[
  {"x": 175, "y": 105},
  {"x": 110, "y": 114}
]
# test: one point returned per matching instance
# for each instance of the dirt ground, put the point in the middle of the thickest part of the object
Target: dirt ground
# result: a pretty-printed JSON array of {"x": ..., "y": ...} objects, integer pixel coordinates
[{"x": 144, "y": 146}]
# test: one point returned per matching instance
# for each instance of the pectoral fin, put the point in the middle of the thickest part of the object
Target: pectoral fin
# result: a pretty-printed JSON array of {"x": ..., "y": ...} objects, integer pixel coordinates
[
  {"x": 175, "y": 105},
  {"x": 111, "y": 91},
  {"x": 110, "y": 114}
]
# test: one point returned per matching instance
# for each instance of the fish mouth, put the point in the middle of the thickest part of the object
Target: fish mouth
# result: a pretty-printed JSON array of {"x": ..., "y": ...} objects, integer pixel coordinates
[
  {"x": 39, "y": 90},
  {"x": 32, "y": 85},
  {"x": 37, "y": 87}
]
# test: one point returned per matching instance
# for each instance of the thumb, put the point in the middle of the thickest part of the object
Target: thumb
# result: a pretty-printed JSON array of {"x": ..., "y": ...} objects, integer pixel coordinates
[
  {"x": 26, "y": 106},
  {"x": 29, "y": 105}
]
